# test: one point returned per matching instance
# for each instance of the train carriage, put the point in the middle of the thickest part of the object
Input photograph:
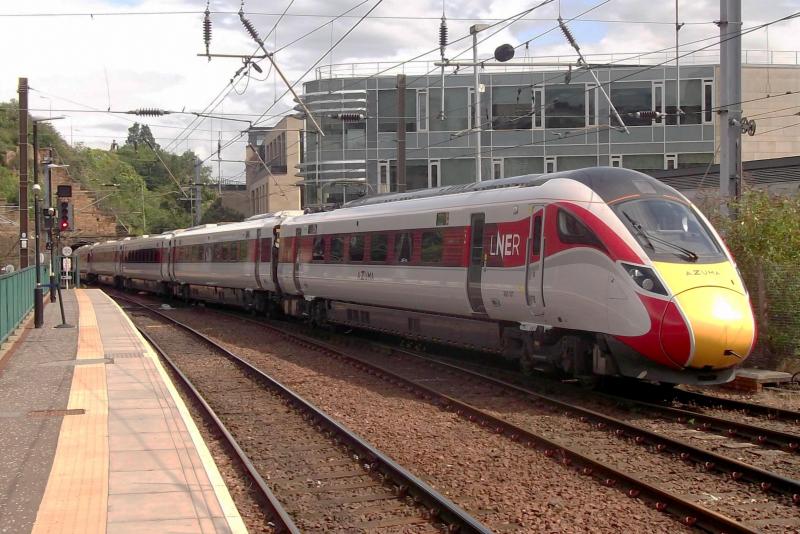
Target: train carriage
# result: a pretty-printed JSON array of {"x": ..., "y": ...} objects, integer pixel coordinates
[
  {"x": 105, "y": 261},
  {"x": 602, "y": 270},
  {"x": 145, "y": 263}
]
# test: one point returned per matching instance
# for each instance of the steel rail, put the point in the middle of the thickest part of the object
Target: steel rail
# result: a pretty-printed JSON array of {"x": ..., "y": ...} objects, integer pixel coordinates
[
  {"x": 284, "y": 520},
  {"x": 739, "y": 471},
  {"x": 407, "y": 484},
  {"x": 758, "y": 434},
  {"x": 691, "y": 397},
  {"x": 688, "y": 513}
]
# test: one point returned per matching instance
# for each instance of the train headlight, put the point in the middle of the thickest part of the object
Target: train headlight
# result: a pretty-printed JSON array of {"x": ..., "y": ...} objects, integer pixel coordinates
[{"x": 645, "y": 278}]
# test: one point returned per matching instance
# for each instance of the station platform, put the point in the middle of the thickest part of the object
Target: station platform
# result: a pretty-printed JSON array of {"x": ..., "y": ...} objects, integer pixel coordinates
[{"x": 94, "y": 438}]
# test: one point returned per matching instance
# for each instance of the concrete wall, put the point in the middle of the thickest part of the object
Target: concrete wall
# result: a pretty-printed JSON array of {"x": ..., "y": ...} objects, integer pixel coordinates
[
  {"x": 777, "y": 113},
  {"x": 91, "y": 223},
  {"x": 275, "y": 190}
]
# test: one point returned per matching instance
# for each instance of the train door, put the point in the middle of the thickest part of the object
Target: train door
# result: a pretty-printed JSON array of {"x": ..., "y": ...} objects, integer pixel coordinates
[
  {"x": 274, "y": 257},
  {"x": 534, "y": 265},
  {"x": 296, "y": 260},
  {"x": 257, "y": 258},
  {"x": 477, "y": 263},
  {"x": 163, "y": 259}
]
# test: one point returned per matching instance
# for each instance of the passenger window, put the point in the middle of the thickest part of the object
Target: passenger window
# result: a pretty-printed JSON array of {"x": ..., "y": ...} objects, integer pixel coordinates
[
  {"x": 537, "y": 235},
  {"x": 243, "y": 248},
  {"x": 402, "y": 247},
  {"x": 571, "y": 230},
  {"x": 318, "y": 252},
  {"x": 337, "y": 248},
  {"x": 357, "y": 247},
  {"x": 432, "y": 244},
  {"x": 379, "y": 247}
]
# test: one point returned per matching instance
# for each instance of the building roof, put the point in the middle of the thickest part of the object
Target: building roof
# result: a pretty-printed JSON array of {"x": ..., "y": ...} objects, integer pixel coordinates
[{"x": 757, "y": 173}]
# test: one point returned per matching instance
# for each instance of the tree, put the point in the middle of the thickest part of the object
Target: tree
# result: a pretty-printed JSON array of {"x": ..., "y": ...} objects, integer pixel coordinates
[
  {"x": 216, "y": 212},
  {"x": 140, "y": 135}
]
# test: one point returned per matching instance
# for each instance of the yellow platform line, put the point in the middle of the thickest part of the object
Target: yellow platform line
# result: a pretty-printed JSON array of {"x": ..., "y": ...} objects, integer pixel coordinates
[
  {"x": 76, "y": 496},
  {"x": 231, "y": 513}
]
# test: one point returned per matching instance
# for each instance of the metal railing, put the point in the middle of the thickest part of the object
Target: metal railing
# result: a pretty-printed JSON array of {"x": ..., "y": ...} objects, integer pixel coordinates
[
  {"x": 704, "y": 57},
  {"x": 16, "y": 298}
]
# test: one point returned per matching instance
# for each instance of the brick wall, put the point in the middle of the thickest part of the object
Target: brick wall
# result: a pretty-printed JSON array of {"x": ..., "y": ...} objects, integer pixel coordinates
[{"x": 91, "y": 222}]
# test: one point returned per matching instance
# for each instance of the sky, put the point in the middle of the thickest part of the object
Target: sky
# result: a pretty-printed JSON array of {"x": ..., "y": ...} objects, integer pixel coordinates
[{"x": 85, "y": 57}]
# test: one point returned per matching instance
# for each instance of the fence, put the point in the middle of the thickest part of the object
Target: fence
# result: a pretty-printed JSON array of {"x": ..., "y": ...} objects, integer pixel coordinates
[
  {"x": 775, "y": 295},
  {"x": 16, "y": 298}
]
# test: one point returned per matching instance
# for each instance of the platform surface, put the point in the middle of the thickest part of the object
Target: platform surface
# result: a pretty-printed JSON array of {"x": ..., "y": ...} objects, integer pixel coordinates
[{"x": 94, "y": 436}]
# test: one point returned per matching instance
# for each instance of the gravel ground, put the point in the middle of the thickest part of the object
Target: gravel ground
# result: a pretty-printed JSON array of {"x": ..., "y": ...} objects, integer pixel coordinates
[
  {"x": 322, "y": 485},
  {"x": 743, "y": 502},
  {"x": 502, "y": 483},
  {"x": 765, "y": 457},
  {"x": 243, "y": 492},
  {"x": 788, "y": 399}
]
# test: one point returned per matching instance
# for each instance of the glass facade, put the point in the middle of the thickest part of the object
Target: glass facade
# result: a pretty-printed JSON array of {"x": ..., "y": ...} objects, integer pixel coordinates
[{"x": 531, "y": 122}]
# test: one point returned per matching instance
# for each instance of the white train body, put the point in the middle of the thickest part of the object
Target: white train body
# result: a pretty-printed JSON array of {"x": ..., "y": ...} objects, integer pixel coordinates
[{"x": 597, "y": 270}]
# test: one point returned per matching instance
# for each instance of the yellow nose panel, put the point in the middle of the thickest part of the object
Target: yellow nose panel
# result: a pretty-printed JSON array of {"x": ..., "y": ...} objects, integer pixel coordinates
[
  {"x": 682, "y": 276},
  {"x": 721, "y": 320}
]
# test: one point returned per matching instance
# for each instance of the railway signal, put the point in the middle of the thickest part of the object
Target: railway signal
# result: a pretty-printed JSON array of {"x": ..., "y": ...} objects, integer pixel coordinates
[{"x": 65, "y": 217}]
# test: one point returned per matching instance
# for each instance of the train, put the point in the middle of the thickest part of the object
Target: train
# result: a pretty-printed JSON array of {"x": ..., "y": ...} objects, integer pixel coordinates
[{"x": 591, "y": 272}]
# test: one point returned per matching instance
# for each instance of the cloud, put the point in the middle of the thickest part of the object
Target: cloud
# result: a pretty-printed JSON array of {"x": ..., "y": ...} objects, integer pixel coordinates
[{"x": 127, "y": 62}]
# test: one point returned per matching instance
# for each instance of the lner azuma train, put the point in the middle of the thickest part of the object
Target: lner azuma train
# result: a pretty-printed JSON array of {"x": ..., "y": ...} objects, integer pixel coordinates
[{"x": 595, "y": 271}]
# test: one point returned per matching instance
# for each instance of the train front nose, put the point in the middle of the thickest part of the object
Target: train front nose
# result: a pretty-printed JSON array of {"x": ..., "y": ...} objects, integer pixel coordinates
[{"x": 708, "y": 328}]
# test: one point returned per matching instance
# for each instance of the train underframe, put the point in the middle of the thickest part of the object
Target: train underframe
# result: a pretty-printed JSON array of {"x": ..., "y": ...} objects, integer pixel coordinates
[{"x": 567, "y": 353}]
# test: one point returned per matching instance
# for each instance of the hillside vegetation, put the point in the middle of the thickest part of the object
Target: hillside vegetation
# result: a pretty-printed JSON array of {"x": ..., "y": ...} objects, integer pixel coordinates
[{"x": 127, "y": 181}]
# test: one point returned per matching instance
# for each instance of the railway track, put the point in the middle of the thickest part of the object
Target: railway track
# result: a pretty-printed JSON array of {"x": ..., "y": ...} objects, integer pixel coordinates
[
  {"x": 322, "y": 477},
  {"x": 684, "y": 509},
  {"x": 694, "y": 399}
]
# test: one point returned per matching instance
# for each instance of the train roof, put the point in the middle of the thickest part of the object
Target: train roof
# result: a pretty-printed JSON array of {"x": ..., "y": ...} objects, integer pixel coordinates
[{"x": 609, "y": 183}]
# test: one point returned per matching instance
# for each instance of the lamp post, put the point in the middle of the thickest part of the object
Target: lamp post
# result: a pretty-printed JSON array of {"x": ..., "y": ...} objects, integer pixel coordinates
[{"x": 38, "y": 293}]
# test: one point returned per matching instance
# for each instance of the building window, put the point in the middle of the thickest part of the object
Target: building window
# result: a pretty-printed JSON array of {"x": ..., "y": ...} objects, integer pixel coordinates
[
  {"x": 522, "y": 166},
  {"x": 416, "y": 174},
  {"x": 570, "y": 163},
  {"x": 538, "y": 108},
  {"x": 708, "y": 101},
  {"x": 384, "y": 177},
  {"x": 658, "y": 100},
  {"x": 511, "y": 108},
  {"x": 433, "y": 173},
  {"x": 629, "y": 98},
  {"x": 644, "y": 162},
  {"x": 565, "y": 106},
  {"x": 616, "y": 161},
  {"x": 497, "y": 168},
  {"x": 694, "y": 160},
  {"x": 457, "y": 171},
  {"x": 456, "y": 110},
  {"x": 670, "y": 161},
  {"x": 422, "y": 110},
  {"x": 691, "y": 102},
  {"x": 591, "y": 104},
  {"x": 550, "y": 164},
  {"x": 387, "y": 110}
]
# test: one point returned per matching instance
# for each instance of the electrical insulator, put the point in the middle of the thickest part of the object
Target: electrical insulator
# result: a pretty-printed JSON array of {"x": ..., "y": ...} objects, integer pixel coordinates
[
  {"x": 207, "y": 30},
  {"x": 443, "y": 35},
  {"x": 568, "y": 34},
  {"x": 349, "y": 117},
  {"x": 249, "y": 26},
  {"x": 150, "y": 112},
  {"x": 648, "y": 114}
]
